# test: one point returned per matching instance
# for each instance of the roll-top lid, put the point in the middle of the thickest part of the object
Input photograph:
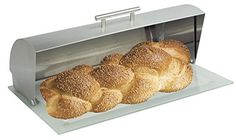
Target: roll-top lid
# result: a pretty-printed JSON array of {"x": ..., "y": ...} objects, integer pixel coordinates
[{"x": 73, "y": 35}]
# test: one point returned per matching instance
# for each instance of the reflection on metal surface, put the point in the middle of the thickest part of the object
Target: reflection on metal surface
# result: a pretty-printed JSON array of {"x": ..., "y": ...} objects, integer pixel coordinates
[
  {"x": 187, "y": 30},
  {"x": 88, "y": 52},
  {"x": 37, "y": 57},
  {"x": 92, "y": 51}
]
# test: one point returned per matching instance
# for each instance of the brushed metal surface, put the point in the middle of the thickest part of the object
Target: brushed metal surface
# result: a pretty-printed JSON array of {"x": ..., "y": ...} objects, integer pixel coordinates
[
  {"x": 23, "y": 67},
  {"x": 37, "y": 57},
  {"x": 78, "y": 34},
  {"x": 89, "y": 52}
]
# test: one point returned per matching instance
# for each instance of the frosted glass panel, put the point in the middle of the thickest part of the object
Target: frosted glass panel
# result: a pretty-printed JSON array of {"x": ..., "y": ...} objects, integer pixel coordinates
[{"x": 203, "y": 80}]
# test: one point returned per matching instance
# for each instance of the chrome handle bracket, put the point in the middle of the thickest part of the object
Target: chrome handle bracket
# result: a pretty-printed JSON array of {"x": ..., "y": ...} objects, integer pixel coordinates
[{"x": 104, "y": 17}]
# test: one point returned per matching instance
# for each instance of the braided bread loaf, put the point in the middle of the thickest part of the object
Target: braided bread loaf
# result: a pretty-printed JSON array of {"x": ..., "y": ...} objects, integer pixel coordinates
[
  {"x": 75, "y": 92},
  {"x": 131, "y": 78}
]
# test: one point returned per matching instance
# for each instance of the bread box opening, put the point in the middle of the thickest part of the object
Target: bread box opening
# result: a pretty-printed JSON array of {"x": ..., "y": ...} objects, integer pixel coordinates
[{"x": 38, "y": 57}]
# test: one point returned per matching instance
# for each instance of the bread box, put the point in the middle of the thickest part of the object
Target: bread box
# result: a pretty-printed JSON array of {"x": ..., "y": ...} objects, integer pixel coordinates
[{"x": 36, "y": 58}]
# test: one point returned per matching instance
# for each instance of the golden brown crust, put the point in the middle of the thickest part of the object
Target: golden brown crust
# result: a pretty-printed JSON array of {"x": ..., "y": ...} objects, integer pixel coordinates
[
  {"x": 146, "y": 56},
  {"x": 48, "y": 88},
  {"x": 47, "y": 93},
  {"x": 145, "y": 43},
  {"x": 67, "y": 107},
  {"x": 72, "y": 93},
  {"x": 141, "y": 89},
  {"x": 109, "y": 99},
  {"x": 78, "y": 84},
  {"x": 60, "y": 105},
  {"x": 111, "y": 59},
  {"x": 147, "y": 70},
  {"x": 175, "y": 48},
  {"x": 176, "y": 68},
  {"x": 85, "y": 69},
  {"x": 112, "y": 76},
  {"x": 131, "y": 78},
  {"x": 179, "y": 82}
]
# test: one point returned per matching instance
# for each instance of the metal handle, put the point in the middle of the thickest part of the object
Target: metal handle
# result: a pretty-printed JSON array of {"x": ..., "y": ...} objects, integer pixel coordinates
[{"x": 103, "y": 17}]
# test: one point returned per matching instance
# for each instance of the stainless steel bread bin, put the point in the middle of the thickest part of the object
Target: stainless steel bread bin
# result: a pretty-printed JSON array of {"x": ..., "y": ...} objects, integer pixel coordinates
[{"x": 38, "y": 57}]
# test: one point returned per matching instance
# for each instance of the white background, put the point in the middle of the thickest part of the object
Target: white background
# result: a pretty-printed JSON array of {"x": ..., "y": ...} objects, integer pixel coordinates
[{"x": 211, "y": 115}]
